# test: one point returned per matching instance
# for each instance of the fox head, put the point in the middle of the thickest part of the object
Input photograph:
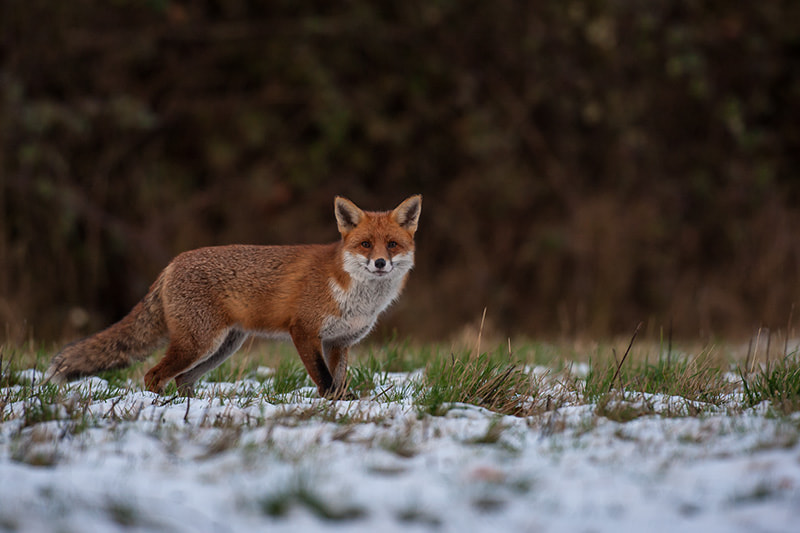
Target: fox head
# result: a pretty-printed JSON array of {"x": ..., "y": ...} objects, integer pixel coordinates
[{"x": 378, "y": 244}]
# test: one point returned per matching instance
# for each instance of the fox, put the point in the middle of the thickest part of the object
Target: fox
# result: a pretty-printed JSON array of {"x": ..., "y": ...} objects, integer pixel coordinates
[{"x": 206, "y": 302}]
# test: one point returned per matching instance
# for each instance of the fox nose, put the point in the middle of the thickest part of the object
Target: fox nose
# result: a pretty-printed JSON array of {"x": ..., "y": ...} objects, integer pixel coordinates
[{"x": 380, "y": 262}]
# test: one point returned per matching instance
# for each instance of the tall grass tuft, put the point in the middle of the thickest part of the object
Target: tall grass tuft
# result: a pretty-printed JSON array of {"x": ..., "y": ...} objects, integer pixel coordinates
[
  {"x": 696, "y": 378},
  {"x": 289, "y": 376},
  {"x": 779, "y": 384},
  {"x": 483, "y": 380}
]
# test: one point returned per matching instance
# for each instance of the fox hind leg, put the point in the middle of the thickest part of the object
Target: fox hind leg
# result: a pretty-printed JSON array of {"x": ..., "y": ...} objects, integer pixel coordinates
[
  {"x": 183, "y": 353},
  {"x": 233, "y": 341}
]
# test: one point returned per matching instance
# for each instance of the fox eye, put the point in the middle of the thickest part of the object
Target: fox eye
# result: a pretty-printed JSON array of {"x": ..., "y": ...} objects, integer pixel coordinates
[
  {"x": 391, "y": 244},
  {"x": 366, "y": 244}
]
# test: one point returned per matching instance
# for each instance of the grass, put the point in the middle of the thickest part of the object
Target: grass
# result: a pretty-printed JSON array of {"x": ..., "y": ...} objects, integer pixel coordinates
[
  {"x": 778, "y": 384},
  {"x": 244, "y": 410},
  {"x": 364, "y": 374},
  {"x": 289, "y": 376},
  {"x": 493, "y": 432},
  {"x": 123, "y": 513},
  {"x": 437, "y": 379},
  {"x": 496, "y": 383},
  {"x": 697, "y": 379},
  {"x": 301, "y": 493}
]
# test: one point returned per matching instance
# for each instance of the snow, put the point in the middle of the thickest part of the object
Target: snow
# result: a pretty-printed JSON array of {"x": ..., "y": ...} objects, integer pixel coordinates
[{"x": 229, "y": 461}]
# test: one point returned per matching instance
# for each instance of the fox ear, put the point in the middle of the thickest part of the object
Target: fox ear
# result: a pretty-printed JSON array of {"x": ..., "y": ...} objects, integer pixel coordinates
[
  {"x": 348, "y": 215},
  {"x": 407, "y": 213}
]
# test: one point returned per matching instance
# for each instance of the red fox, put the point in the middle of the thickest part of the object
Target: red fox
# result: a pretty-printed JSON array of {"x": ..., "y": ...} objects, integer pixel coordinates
[{"x": 325, "y": 297}]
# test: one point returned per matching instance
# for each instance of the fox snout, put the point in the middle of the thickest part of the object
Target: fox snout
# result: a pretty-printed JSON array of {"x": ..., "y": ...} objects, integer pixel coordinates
[{"x": 379, "y": 265}]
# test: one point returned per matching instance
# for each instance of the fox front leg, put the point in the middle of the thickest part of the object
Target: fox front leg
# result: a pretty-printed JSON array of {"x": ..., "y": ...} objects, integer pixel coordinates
[
  {"x": 309, "y": 347},
  {"x": 336, "y": 357}
]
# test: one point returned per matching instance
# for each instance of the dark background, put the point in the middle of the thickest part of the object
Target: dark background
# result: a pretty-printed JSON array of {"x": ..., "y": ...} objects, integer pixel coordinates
[{"x": 585, "y": 165}]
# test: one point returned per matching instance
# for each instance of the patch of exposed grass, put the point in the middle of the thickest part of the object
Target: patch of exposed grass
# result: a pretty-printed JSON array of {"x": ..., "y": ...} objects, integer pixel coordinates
[
  {"x": 778, "y": 383},
  {"x": 37, "y": 409},
  {"x": 413, "y": 515},
  {"x": 36, "y": 447},
  {"x": 121, "y": 378},
  {"x": 614, "y": 406},
  {"x": 493, "y": 432},
  {"x": 325, "y": 411},
  {"x": 123, "y": 513},
  {"x": 400, "y": 441},
  {"x": 395, "y": 392},
  {"x": 289, "y": 376},
  {"x": 14, "y": 359},
  {"x": 242, "y": 364},
  {"x": 489, "y": 503},
  {"x": 301, "y": 494},
  {"x": 700, "y": 378},
  {"x": 494, "y": 380},
  {"x": 487, "y": 381},
  {"x": 224, "y": 440},
  {"x": 9, "y": 523},
  {"x": 761, "y": 492},
  {"x": 363, "y": 374}
]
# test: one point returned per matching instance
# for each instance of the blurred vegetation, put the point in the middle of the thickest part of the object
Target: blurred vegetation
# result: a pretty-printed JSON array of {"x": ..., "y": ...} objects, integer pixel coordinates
[{"x": 585, "y": 164}]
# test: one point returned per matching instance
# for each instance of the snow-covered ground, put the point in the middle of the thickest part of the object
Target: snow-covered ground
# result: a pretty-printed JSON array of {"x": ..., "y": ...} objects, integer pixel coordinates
[{"x": 143, "y": 464}]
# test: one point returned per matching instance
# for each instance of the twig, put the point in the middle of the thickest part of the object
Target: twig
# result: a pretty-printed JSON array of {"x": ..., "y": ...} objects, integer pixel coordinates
[
  {"x": 755, "y": 352},
  {"x": 624, "y": 356},
  {"x": 669, "y": 344},
  {"x": 169, "y": 400},
  {"x": 383, "y": 392},
  {"x": 749, "y": 352},
  {"x": 480, "y": 334},
  {"x": 186, "y": 416},
  {"x": 113, "y": 405},
  {"x": 769, "y": 342},
  {"x": 788, "y": 330}
]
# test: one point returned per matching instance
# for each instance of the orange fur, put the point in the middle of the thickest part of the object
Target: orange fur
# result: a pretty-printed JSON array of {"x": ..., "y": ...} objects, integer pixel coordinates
[{"x": 325, "y": 297}]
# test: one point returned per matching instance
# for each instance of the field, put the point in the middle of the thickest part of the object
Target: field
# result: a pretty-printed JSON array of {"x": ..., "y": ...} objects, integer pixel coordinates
[{"x": 538, "y": 437}]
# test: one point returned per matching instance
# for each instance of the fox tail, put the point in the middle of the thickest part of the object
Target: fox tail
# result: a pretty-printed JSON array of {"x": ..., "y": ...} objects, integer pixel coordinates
[{"x": 128, "y": 341}]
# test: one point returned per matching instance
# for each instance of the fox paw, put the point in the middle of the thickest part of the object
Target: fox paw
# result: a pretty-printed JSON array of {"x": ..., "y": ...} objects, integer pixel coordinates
[
  {"x": 57, "y": 372},
  {"x": 339, "y": 394}
]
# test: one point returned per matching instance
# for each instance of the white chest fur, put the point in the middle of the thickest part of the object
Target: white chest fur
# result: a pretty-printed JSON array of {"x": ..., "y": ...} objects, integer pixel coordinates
[{"x": 360, "y": 305}]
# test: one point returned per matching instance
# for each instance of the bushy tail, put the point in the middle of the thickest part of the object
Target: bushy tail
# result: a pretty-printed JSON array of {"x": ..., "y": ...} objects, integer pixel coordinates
[{"x": 128, "y": 341}]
